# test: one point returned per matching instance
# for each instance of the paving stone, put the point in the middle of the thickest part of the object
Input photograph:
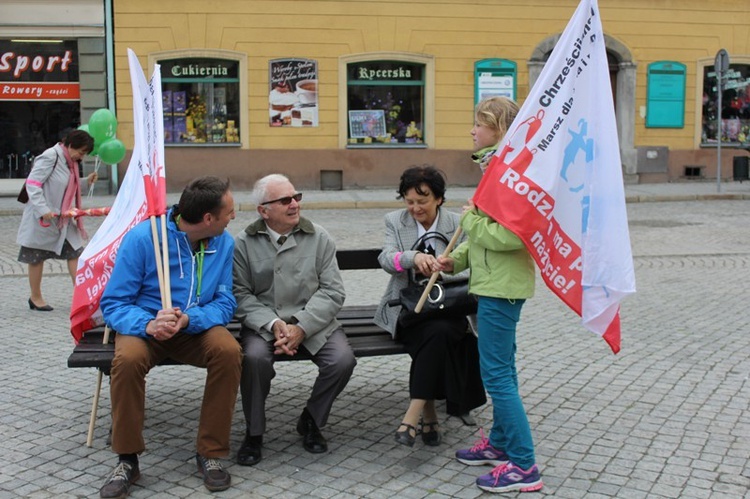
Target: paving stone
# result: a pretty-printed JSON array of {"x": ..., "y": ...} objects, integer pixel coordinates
[{"x": 666, "y": 417}]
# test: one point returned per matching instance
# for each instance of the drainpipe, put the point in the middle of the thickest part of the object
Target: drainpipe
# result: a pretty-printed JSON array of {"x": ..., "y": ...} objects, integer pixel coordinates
[{"x": 109, "y": 41}]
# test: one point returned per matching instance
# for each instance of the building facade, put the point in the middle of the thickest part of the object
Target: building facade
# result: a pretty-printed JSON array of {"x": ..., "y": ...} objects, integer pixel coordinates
[{"x": 348, "y": 93}]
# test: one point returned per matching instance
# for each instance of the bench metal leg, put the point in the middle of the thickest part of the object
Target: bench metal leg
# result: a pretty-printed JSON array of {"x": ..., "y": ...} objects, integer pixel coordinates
[{"x": 95, "y": 402}]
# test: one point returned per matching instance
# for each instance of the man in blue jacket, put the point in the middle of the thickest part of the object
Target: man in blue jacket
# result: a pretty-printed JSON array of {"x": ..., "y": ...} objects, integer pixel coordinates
[{"x": 192, "y": 331}]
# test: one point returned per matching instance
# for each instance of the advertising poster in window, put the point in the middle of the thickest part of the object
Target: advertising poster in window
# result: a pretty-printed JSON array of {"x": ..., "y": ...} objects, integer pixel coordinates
[
  {"x": 494, "y": 85},
  {"x": 367, "y": 123},
  {"x": 293, "y": 93}
]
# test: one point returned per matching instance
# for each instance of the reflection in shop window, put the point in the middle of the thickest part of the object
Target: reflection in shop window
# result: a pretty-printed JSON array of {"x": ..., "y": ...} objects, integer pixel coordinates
[
  {"x": 394, "y": 88},
  {"x": 201, "y": 101},
  {"x": 735, "y": 112}
]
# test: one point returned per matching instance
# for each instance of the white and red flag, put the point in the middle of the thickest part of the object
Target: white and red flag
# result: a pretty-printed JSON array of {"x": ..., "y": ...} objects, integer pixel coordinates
[
  {"x": 142, "y": 194},
  {"x": 556, "y": 180}
]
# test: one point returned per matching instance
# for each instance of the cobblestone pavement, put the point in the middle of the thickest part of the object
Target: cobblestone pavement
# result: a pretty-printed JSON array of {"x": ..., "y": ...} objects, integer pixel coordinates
[{"x": 667, "y": 417}]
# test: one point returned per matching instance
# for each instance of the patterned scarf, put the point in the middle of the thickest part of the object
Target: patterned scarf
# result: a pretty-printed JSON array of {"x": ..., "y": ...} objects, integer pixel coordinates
[
  {"x": 483, "y": 156},
  {"x": 72, "y": 191}
]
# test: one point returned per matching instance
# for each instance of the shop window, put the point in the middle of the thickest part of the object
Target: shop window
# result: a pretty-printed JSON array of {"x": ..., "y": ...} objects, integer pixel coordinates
[
  {"x": 201, "y": 101},
  {"x": 735, "y": 106},
  {"x": 385, "y": 104}
]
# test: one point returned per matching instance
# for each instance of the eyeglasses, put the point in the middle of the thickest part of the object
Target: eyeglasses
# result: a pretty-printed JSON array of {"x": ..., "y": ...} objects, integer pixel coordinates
[{"x": 286, "y": 200}]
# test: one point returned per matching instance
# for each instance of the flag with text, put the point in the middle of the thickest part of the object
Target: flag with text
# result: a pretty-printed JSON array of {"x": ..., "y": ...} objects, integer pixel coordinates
[
  {"x": 142, "y": 194},
  {"x": 556, "y": 180}
]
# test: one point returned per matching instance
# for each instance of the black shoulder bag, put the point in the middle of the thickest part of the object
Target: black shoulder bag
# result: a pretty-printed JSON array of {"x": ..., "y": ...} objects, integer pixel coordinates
[{"x": 451, "y": 299}]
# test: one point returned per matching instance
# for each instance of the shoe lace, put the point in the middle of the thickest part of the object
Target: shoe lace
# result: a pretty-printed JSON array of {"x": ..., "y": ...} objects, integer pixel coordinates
[
  {"x": 121, "y": 472},
  {"x": 210, "y": 464},
  {"x": 498, "y": 471},
  {"x": 482, "y": 443}
]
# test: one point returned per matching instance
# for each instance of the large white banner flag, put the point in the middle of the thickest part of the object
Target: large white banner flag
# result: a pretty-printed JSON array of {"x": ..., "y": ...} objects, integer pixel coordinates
[
  {"x": 142, "y": 194},
  {"x": 556, "y": 180}
]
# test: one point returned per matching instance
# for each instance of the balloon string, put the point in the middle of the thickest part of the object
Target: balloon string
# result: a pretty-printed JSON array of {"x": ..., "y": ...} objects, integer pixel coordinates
[{"x": 97, "y": 164}]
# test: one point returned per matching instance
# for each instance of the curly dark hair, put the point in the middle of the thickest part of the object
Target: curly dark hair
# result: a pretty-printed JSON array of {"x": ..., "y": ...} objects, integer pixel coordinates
[{"x": 416, "y": 177}]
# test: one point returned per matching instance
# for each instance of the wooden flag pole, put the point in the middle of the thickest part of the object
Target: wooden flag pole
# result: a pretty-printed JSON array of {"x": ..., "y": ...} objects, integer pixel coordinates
[
  {"x": 159, "y": 270},
  {"x": 435, "y": 275},
  {"x": 95, "y": 403},
  {"x": 166, "y": 291}
]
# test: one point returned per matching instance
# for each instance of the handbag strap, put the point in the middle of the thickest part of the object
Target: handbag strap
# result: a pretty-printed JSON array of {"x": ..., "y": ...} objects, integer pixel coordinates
[
  {"x": 429, "y": 235},
  {"x": 433, "y": 234}
]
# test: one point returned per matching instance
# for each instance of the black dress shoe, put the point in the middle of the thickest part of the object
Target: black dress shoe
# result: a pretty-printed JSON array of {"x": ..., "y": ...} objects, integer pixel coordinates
[
  {"x": 431, "y": 437},
  {"x": 249, "y": 453},
  {"x": 313, "y": 441},
  {"x": 34, "y": 306},
  {"x": 407, "y": 436}
]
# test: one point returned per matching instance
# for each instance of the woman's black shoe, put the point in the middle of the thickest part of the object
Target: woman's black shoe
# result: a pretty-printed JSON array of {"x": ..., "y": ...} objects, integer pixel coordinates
[
  {"x": 45, "y": 308},
  {"x": 431, "y": 437},
  {"x": 405, "y": 437}
]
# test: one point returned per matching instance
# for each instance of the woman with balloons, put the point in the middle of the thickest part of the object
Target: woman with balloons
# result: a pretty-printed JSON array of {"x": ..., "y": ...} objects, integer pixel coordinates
[{"x": 53, "y": 188}]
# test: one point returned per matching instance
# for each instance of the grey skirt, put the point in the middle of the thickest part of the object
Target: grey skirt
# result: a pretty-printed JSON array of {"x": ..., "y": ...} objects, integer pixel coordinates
[{"x": 36, "y": 255}]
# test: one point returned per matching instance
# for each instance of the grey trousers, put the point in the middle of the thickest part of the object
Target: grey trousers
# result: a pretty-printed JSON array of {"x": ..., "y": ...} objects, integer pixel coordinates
[{"x": 335, "y": 361}]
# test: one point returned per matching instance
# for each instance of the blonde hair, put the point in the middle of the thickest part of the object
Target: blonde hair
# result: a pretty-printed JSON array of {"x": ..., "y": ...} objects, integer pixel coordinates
[{"x": 496, "y": 113}]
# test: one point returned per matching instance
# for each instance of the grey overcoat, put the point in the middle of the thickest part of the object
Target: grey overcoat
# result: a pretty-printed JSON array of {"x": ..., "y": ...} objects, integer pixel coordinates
[
  {"x": 51, "y": 171},
  {"x": 400, "y": 235}
]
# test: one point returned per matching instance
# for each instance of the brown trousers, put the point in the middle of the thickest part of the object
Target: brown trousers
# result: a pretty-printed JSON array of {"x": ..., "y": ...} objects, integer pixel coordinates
[{"x": 215, "y": 349}]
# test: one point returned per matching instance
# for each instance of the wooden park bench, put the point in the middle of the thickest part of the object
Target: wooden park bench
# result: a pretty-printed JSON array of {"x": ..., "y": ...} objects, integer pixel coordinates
[{"x": 365, "y": 338}]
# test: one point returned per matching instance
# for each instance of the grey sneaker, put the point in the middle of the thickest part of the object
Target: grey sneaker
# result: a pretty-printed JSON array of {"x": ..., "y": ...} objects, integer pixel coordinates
[
  {"x": 118, "y": 483},
  {"x": 214, "y": 476}
]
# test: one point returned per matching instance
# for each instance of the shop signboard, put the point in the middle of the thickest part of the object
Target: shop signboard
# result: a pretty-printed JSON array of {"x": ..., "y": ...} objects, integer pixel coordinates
[
  {"x": 293, "y": 93},
  {"x": 32, "y": 71},
  {"x": 494, "y": 78},
  {"x": 665, "y": 98}
]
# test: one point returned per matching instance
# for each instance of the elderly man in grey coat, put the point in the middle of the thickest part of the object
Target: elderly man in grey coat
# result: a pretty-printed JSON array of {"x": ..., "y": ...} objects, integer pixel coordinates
[{"x": 288, "y": 289}]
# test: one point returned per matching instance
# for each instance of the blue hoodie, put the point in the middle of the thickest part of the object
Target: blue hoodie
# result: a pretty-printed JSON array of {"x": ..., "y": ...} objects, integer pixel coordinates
[{"x": 132, "y": 299}]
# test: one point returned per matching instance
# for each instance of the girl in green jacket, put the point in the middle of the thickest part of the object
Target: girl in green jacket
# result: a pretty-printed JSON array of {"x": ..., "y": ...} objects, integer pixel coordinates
[{"x": 502, "y": 277}]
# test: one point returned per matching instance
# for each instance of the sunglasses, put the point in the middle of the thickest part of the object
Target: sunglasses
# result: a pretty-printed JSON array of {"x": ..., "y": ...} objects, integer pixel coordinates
[{"x": 286, "y": 200}]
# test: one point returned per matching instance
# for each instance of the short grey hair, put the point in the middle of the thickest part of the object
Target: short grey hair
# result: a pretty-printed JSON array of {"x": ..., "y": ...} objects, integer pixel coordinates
[{"x": 260, "y": 189}]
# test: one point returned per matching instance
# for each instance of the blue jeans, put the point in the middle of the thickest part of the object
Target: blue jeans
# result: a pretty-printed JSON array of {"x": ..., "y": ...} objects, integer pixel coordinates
[{"x": 497, "y": 319}]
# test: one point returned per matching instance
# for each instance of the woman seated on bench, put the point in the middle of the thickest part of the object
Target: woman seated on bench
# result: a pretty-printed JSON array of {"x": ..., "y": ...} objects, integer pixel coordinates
[{"x": 445, "y": 361}]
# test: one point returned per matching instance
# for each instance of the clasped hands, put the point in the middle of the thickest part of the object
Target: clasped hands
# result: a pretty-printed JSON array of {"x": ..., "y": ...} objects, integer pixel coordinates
[
  {"x": 167, "y": 323},
  {"x": 444, "y": 263},
  {"x": 288, "y": 338}
]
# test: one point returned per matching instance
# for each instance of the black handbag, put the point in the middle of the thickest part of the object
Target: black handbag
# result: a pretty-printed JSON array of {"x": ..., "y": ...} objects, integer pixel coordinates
[
  {"x": 446, "y": 299},
  {"x": 23, "y": 196}
]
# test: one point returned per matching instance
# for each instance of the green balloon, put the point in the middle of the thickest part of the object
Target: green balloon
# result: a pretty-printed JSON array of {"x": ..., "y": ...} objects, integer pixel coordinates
[
  {"x": 112, "y": 151},
  {"x": 102, "y": 125},
  {"x": 85, "y": 128}
]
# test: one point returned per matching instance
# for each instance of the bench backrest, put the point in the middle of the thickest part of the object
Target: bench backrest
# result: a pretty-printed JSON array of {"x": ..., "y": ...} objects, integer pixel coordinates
[{"x": 359, "y": 259}]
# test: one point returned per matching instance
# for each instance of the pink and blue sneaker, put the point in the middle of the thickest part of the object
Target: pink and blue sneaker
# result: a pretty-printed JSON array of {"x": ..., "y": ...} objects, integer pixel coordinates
[
  {"x": 509, "y": 477},
  {"x": 482, "y": 453}
]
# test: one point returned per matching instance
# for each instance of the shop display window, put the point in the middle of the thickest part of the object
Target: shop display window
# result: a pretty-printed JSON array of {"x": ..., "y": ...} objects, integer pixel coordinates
[
  {"x": 735, "y": 112},
  {"x": 201, "y": 101},
  {"x": 385, "y": 103}
]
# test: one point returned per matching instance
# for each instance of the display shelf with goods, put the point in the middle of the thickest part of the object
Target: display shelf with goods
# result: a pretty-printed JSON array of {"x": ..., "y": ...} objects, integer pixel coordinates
[{"x": 199, "y": 115}]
